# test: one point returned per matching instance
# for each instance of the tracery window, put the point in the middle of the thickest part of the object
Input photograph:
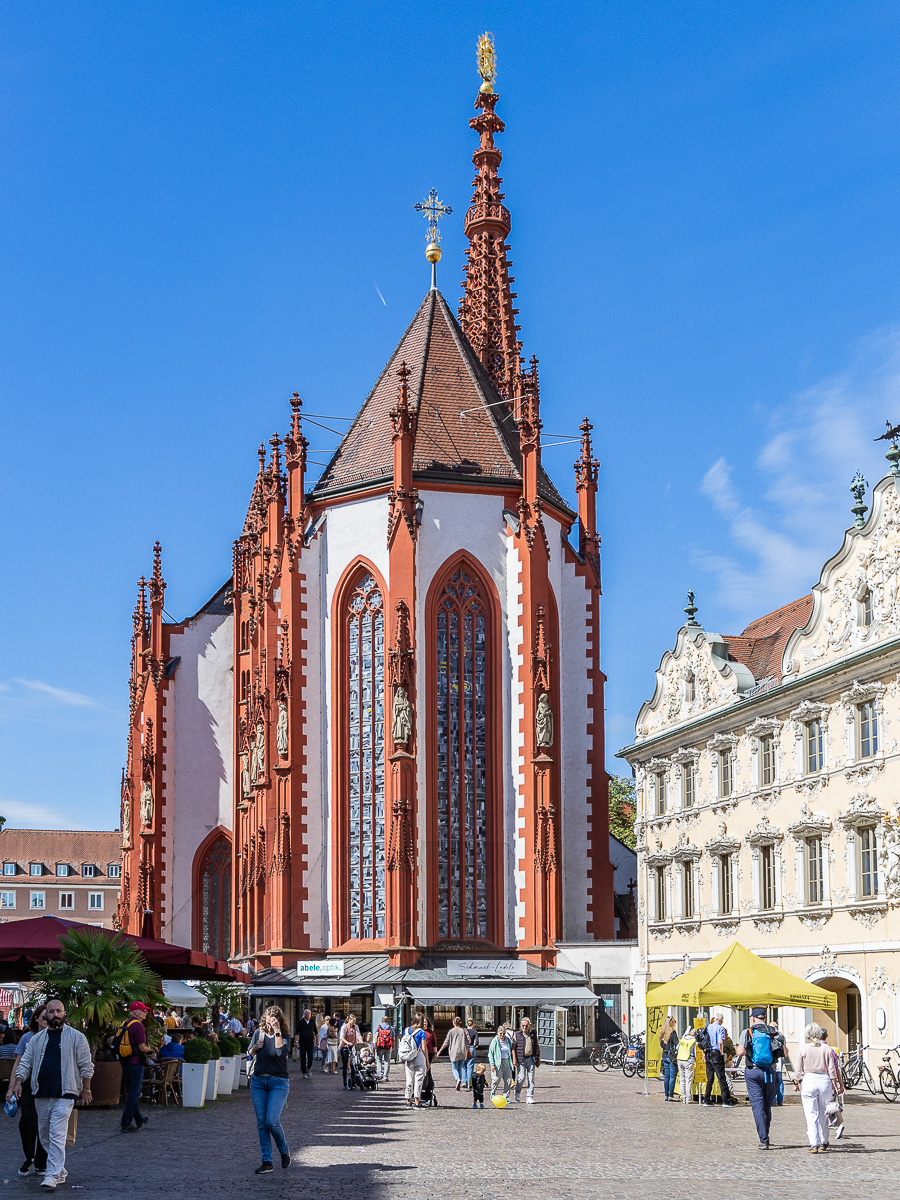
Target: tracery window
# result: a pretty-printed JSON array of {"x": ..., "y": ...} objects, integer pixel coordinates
[
  {"x": 215, "y": 899},
  {"x": 365, "y": 756},
  {"x": 462, "y": 627}
]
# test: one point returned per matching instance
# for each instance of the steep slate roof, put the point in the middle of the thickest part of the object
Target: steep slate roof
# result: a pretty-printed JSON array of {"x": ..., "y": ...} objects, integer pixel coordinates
[
  {"x": 446, "y": 380},
  {"x": 52, "y": 846},
  {"x": 761, "y": 646}
]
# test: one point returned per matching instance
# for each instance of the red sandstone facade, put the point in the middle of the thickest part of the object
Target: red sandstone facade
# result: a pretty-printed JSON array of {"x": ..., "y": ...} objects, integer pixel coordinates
[{"x": 397, "y": 784}]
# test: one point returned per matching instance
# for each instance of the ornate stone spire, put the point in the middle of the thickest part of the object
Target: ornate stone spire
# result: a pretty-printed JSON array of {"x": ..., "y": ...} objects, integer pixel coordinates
[{"x": 486, "y": 311}]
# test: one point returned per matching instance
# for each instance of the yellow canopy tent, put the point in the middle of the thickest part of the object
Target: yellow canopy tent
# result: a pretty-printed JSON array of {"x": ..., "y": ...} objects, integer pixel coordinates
[{"x": 739, "y": 978}]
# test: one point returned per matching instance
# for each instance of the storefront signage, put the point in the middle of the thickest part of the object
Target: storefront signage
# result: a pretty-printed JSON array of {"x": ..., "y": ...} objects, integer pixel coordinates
[
  {"x": 498, "y": 968},
  {"x": 320, "y": 968}
]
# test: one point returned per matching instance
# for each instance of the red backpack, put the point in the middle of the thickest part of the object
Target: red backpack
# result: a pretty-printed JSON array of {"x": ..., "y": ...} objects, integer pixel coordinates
[{"x": 384, "y": 1039}]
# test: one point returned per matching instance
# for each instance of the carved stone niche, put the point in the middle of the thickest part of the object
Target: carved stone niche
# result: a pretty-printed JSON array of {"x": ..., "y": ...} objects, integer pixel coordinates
[
  {"x": 810, "y": 825},
  {"x": 765, "y": 834}
]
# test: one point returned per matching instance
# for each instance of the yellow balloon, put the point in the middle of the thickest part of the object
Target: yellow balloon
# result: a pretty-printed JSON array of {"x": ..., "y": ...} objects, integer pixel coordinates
[{"x": 498, "y": 1101}]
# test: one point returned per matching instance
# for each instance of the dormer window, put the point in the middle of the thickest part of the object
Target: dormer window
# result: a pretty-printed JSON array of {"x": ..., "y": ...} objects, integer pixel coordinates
[
  {"x": 62, "y": 870},
  {"x": 88, "y": 870},
  {"x": 10, "y": 868},
  {"x": 35, "y": 868}
]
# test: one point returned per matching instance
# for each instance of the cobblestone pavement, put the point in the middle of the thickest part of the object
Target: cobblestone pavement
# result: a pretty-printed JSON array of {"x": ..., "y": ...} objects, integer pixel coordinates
[{"x": 587, "y": 1136}]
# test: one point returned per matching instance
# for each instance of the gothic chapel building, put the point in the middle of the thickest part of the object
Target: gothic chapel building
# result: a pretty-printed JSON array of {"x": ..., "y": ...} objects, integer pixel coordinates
[{"x": 384, "y": 734}]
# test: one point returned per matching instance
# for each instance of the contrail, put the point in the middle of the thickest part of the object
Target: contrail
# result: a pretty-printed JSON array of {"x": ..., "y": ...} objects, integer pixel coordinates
[{"x": 378, "y": 290}]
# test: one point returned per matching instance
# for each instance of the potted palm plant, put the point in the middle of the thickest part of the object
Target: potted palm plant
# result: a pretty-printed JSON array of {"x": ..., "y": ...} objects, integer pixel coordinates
[
  {"x": 194, "y": 1072},
  {"x": 99, "y": 975}
]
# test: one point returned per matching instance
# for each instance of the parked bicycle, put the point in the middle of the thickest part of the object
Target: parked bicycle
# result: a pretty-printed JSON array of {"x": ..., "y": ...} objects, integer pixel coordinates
[
  {"x": 888, "y": 1077},
  {"x": 609, "y": 1053},
  {"x": 633, "y": 1063},
  {"x": 854, "y": 1069}
]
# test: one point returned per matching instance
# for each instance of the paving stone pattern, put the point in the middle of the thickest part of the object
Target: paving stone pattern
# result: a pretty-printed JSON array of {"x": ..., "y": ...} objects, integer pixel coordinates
[{"x": 588, "y": 1136}]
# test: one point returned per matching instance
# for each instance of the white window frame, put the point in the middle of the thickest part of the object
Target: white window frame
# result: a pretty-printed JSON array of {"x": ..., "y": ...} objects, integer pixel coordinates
[
  {"x": 808, "y": 859},
  {"x": 14, "y": 871},
  {"x": 88, "y": 871},
  {"x": 660, "y": 889},
  {"x": 770, "y": 742},
  {"x": 725, "y": 755},
  {"x": 725, "y": 870},
  {"x": 765, "y": 849},
  {"x": 873, "y": 830},
  {"x": 688, "y": 889},
  {"x": 92, "y": 896},
  {"x": 114, "y": 870},
  {"x": 63, "y": 870},
  {"x": 10, "y": 896},
  {"x": 688, "y": 774},
  {"x": 42, "y": 907},
  {"x": 70, "y": 896},
  {"x": 35, "y": 870},
  {"x": 818, "y": 723},
  {"x": 660, "y": 794},
  {"x": 872, "y": 707}
]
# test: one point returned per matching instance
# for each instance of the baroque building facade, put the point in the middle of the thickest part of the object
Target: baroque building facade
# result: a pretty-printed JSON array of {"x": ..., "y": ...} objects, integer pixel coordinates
[
  {"x": 767, "y": 770},
  {"x": 384, "y": 734}
]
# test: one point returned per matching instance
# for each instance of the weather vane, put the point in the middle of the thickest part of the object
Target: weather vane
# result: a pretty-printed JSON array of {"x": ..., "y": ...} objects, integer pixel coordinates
[
  {"x": 432, "y": 209},
  {"x": 487, "y": 62},
  {"x": 893, "y": 454}
]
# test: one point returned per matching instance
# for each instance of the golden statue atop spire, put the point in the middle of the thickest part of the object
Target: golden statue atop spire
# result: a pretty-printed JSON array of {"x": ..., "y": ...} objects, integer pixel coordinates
[{"x": 487, "y": 62}]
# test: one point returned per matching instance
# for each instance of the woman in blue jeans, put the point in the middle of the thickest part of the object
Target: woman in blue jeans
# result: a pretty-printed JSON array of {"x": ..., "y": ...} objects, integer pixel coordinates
[
  {"x": 472, "y": 1040},
  {"x": 269, "y": 1085},
  {"x": 668, "y": 1040}
]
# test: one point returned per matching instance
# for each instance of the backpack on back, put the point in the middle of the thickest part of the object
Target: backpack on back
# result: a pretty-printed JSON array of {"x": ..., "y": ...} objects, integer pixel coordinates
[
  {"x": 384, "y": 1039},
  {"x": 122, "y": 1041},
  {"x": 408, "y": 1050},
  {"x": 701, "y": 1037},
  {"x": 761, "y": 1046}
]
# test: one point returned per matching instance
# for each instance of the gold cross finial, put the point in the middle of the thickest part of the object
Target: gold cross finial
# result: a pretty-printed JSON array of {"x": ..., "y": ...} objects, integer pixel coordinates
[
  {"x": 432, "y": 209},
  {"x": 487, "y": 61}
]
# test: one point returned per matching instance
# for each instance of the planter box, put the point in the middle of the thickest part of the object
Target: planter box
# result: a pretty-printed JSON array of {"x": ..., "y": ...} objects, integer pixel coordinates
[
  {"x": 241, "y": 1076},
  {"x": 193, "y": 1084},
  {"x": 226, "y": 1075},
  {"x": 212, "y": 1079},
  {"x": 106, "y": 1084}
]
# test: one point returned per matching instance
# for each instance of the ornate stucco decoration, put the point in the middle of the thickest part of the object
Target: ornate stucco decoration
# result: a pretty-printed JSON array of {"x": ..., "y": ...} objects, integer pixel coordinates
[
  {"x": 688, "y": 754},
  {"x": 687, "y": 928},
  {"x": 870, "y": 915},
  {"x": 722, "y": 741},
  {"x": 810, "y": 824},
  {"x": 881, "y": 982},
  {"x": 727, "y": 927},
  {"x": 764, "y": 834},
  {"x": 868, "y": 562},
  {"x": 768, "y": 924},
  {"x": 815, "y": 920},
  {"x": 828, "y": 965},
  {"x": 685, "y": 851},
  {"x": 863, "y": 810},
  {"x": 661, "y": 932},
  {"x": 763, "y": 726},
  {"x": 860, "y": 693}
]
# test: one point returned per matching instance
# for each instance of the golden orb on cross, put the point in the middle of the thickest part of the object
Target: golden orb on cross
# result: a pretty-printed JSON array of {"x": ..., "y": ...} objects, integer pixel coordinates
[
  {"x": 433, "y": 252},
  {"x": 432, "y": 209}
]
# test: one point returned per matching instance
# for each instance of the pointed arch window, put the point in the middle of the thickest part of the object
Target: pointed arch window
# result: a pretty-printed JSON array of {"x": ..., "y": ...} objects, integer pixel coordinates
[
  {"x": 364, "y": 648},
  {"x": 215, "y": 899},
  {"x": 462, "y": 629}
]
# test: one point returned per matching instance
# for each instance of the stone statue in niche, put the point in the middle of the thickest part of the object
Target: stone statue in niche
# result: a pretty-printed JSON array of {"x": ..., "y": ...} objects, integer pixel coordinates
[
  {"x": 146, "y": 804},
  {"x": 891, "y": 859},
  {"x": 245, "y": 774},
  {"x": 401, "y": 718},
  {"x": 260, "y": 752},
  {"x": 543, "y": 721},
  {"x": 126, "y": 817},
  {"x": 281, "y": 729}
]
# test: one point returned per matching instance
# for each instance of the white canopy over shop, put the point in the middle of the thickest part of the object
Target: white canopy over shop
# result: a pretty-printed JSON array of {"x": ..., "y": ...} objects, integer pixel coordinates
[
  {"x": 309, "y": 988},
  {"x": 500, "y": 995},
  {"x": 182, "y": 995}
]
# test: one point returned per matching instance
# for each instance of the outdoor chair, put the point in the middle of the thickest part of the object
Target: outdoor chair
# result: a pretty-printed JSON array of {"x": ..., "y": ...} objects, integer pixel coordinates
[{"x": 163, "y": 1085}]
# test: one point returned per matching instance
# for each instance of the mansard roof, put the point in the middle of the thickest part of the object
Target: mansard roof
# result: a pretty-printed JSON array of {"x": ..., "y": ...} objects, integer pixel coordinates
[
  {"x": 761, "y": 646},
  {"x": 464, "y": 432}
]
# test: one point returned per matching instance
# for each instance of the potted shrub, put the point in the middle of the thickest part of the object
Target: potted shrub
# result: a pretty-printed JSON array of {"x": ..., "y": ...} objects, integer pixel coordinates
[
  {"x": 194, "y": 1072},
  {"x": 212, "y": 1078},
  {"x": 99, "y": 975},
  {"x": 229, "y": 1063}
]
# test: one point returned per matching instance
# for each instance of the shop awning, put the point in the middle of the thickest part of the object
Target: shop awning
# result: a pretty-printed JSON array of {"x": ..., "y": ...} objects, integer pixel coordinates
[
  {"x": 182, "y": 995},
  {"x": 501, "y": 994},
  {"x": 307, "y": 989}
]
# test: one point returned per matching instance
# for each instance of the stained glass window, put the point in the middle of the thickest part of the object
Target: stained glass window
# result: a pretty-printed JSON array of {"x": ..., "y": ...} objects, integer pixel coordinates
[
  {"x": 365, "y": 757},
  {"x": 461, "y": 709},
  {"x": 215, "y": 893}
]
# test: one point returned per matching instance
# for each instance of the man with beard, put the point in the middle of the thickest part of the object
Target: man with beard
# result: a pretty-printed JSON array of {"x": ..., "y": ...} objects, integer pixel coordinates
[{"x": 58, "y": 1063}]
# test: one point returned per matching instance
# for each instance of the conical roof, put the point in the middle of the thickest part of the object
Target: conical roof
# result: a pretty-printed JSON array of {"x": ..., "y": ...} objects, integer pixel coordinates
[{"x": 465, "y": 431}]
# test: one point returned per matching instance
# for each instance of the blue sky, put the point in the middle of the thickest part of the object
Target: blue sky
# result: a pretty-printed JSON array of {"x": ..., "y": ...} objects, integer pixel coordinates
[{"x": 201, "y": 202}]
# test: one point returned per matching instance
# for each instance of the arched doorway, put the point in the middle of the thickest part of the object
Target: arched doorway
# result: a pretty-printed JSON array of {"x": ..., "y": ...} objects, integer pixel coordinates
[{"x": 844, "y": 1025}]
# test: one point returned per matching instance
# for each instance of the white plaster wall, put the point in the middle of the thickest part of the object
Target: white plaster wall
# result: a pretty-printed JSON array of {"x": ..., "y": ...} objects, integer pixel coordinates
[
  {"x": 198, "y": 771},
  {"x": 356, "y": 529},
  {"x": 573, "y": 743},
  {"x": 315, "y": 877},
  {"x": 454, "y": 522}
]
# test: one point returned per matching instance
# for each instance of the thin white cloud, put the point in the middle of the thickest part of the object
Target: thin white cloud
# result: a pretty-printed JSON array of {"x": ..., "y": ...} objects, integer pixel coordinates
[
  {"x": 76, "y": 699},
  {"x": 21, "y": 814},
  {"x": 786, "y": 513}
]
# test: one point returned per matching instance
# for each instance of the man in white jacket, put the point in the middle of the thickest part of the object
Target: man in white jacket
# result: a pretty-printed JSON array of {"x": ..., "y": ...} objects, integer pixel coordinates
[{"x": 58, "y": 1062}]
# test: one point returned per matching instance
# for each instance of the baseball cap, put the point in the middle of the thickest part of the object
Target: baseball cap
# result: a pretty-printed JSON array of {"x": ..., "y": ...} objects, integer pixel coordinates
[
  {"x": 758, "y": 1012},
  {"x": 138, "y": 1004}
]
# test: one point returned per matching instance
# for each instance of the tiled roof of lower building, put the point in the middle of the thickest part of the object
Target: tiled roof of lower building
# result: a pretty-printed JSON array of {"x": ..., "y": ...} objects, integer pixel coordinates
[
  {"x": 761, "y": 645},
  {"x": 74, "y": 847}
]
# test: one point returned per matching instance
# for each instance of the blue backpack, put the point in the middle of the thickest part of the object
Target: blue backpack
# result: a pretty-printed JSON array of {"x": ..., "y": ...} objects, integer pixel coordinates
[{"x": 761, "y": 1047}]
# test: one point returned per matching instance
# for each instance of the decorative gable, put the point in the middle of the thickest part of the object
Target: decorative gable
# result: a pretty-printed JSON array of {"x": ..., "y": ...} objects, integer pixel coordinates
[
  {"x": 856, "y": 602},
  {"x": 692, "y": 679}
]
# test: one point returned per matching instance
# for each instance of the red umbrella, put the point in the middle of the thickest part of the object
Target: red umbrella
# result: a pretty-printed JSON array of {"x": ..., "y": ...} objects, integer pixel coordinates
[{"x": 25, "y": 944}]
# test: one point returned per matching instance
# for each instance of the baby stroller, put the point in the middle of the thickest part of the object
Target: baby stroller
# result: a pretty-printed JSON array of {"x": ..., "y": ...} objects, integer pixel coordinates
[
  {"x": 363, "y": 1068},
  {"x": 428, "y": 1098}
]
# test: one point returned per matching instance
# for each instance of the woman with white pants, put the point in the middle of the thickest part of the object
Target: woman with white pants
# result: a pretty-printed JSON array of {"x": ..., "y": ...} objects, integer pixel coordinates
[
  {"x": 415, "y": 1067},
  {"x": 817, "y": 1080}
]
